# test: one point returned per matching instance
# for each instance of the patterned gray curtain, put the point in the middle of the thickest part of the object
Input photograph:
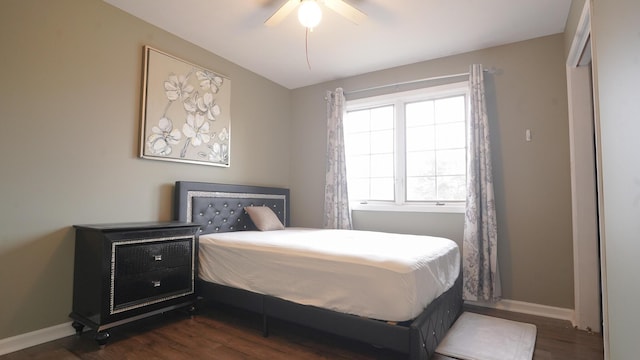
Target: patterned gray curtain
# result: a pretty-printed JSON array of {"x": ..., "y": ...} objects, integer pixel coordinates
[
  {"x": 336, "y": 200},
  {"x": 481, "y": 280}
]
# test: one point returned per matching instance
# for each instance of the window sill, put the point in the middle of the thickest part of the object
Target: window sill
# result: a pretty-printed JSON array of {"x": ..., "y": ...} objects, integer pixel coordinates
[{"x": 426, "y": 208}]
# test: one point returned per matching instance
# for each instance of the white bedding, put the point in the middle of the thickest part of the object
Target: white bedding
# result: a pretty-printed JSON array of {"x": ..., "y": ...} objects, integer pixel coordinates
[{"x": 384, "y": 276}]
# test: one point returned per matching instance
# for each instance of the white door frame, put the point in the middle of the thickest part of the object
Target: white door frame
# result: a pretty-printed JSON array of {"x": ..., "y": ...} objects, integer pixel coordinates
[{"x": 584, "y": 192}]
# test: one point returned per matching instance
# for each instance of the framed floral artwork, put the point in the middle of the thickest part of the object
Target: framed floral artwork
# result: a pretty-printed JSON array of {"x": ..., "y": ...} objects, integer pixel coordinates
[{"x": 185, "y": 111}]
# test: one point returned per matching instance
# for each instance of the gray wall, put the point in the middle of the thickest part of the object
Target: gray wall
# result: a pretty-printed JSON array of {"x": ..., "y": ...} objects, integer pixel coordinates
[
  {"x": 532, "y": 179},
  {"x": 71, "y": 74},
  {"x": 616, "y": 39}
]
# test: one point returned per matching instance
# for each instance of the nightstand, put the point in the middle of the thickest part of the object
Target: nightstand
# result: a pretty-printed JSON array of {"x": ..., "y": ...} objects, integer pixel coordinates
[{"x": 125, "y": 272}]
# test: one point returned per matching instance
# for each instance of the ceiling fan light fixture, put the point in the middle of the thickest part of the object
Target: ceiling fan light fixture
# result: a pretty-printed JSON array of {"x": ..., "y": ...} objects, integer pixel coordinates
[{"x": 309, "y": 13}]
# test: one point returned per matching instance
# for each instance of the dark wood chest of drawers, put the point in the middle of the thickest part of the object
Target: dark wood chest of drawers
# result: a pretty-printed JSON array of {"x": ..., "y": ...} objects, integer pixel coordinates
[{"x": 125, "y": 272}]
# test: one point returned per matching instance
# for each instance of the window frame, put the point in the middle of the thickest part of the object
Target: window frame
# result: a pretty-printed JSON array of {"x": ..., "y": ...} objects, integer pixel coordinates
[{"x": 399, "y": 100}]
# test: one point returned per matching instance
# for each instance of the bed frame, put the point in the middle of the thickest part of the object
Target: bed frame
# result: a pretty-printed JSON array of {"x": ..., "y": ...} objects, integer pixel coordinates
[{"x": 219, "y": 208}]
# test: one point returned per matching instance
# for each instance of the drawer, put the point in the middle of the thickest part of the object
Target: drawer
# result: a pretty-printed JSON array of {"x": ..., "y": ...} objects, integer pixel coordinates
[
  {"x": 140, "y": 288},
  {"x": 139, "y": 258}
]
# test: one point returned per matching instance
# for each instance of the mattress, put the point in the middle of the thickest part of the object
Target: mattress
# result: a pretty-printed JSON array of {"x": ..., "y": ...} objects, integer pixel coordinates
[{"x": 384, "y": 276}]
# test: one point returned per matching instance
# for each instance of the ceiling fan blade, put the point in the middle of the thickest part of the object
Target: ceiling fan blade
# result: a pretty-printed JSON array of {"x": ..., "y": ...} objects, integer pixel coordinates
[
  {"x": 281, "y": 13},
  {"x": 352, "y": 14}
]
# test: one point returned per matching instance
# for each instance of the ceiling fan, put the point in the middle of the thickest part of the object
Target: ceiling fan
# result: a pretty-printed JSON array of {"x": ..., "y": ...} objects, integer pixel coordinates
[{"x": 309, "y": 12}]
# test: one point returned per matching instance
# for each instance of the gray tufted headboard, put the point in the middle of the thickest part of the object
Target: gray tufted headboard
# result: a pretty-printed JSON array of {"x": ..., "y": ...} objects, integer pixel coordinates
[{"x": 220, "y": 207}]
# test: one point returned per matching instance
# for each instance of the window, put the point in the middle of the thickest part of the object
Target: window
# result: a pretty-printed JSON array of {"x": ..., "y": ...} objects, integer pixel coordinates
[{"x": 409, "y": 148}]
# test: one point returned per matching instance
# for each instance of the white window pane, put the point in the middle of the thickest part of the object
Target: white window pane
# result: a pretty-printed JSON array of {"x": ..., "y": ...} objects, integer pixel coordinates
[
  {"x": 358, "y": 189},
  {"x": 452, "y": 187},
  {"x": 450, "y": 109},
  {"x": 382, "y": 189},
  {"x": 356, "y": 121},
  {"x": 382, "y": 142},
  {"x": 450, "y": 135},
  {"x": 382, "y": 118},
  {"x": 451, "y": 162},
  {"x": 382, "y": 165},
  {"x": 421, "y": 188},
  {"x": 419, "y": 113},
  {"x": 420, "y": 138},
  {"x": 433, "y": 154},
  {"x": 422, "y": 163},
  {"x": 358, "y": 166},
  {"x": 357, "y": 144}
]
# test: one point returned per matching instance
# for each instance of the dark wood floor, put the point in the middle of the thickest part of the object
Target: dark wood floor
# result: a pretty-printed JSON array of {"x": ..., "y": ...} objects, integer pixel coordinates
[{"x": 225, "y": 333}]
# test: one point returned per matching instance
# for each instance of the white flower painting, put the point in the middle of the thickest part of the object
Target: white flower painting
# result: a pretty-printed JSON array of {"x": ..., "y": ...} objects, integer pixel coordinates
[{"x": 185, "y": 115}]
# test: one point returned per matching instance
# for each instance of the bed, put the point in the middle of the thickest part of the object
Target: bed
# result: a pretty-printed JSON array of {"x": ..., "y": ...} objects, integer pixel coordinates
[{"x": 397, "y": 324}]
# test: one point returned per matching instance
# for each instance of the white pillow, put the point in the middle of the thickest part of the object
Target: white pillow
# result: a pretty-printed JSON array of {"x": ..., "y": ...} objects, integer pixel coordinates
[{"x": 264, "y": 218}]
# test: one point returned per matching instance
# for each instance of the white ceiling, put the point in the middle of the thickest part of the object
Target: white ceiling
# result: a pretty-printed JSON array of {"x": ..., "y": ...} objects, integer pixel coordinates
[{"x": 396, "y": 32}]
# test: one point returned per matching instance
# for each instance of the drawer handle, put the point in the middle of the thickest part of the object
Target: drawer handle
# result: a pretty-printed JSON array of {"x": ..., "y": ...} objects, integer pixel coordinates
[
  {"x": 157, "y": 257},
  {"x": 156, "y": 283}
]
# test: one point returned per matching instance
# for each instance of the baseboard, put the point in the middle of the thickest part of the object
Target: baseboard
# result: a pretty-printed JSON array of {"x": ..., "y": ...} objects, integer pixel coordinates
[
  {"x": 37, "y": 337},
  {"x": 529, "y": 308}
]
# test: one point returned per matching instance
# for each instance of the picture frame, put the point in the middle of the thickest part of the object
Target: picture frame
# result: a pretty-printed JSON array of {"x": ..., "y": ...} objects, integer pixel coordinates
[{"x": 185, "y": 111}]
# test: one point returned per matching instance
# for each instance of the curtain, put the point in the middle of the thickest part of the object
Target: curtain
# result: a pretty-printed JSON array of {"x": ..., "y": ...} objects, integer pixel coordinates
[
  {"x": 481, "y": 280},
  {"x": 337, "y": 214}
]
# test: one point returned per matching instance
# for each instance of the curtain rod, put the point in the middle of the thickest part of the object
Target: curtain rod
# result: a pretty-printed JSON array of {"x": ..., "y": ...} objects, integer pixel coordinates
[{"x": 409, "y": 82}]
